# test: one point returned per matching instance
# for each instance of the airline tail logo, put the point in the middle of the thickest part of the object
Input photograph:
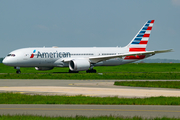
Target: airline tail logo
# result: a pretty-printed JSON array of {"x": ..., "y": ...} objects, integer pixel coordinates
[
  {"x": 32, "y": 55},
  {"x": 139, "y": 42}
]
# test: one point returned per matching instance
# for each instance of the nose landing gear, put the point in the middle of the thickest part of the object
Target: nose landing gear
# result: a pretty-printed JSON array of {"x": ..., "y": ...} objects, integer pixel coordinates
[{"x": 18, "y": 70}]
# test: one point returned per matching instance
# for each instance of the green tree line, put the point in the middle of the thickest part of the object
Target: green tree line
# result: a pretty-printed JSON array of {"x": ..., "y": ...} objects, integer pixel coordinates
[{"x": 1, "y": 59}]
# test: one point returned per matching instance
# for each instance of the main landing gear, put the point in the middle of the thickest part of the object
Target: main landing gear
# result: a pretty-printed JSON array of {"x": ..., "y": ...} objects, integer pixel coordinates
[
  {"x": 91, "y": 71},
  {"x": 18, "y": 70},
  {"x": 87, "y": 71}
]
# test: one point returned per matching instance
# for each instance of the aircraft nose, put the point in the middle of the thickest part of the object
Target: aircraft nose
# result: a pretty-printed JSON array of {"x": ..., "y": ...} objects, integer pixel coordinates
[
  {"x": 9, "y": 61},
  {"x": 5, "y": 61}
]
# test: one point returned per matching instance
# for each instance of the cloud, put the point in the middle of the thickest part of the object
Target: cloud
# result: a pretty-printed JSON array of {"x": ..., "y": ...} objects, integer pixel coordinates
[{"x": 176, "y": 2}]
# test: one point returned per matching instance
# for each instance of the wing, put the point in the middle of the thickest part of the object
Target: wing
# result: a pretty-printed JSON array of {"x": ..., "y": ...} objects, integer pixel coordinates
[{"x": 97, "y": 59}]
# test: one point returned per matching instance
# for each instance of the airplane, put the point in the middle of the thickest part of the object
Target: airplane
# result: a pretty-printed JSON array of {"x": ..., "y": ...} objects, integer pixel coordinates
[{"x": 83, "y": 58}]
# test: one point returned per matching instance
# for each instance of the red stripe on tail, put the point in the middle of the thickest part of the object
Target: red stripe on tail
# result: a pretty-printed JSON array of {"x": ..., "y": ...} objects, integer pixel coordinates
[
  {"x": 146, "y": 35},
  {"x": 143, "y": 42},
  {"x": 152, "y": 21},
  {"x": 149, "y": 28},
  {"x": 137, "y": 49}
]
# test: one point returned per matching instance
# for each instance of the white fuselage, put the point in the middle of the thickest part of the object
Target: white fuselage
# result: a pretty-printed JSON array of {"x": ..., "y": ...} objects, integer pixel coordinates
[{"x": 53, "y": 57}]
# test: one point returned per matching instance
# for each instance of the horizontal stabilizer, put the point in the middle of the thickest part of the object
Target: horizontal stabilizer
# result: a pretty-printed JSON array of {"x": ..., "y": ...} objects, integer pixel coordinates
[{"x": 163, "y": 51}]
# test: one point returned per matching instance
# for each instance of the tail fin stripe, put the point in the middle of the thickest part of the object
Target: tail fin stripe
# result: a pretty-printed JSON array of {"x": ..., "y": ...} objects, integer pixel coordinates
[
  {"x": 145, "y": 38},
  {"x": 149, "y": 28},
  {"x": 142, "y": 31},
  {"x": 146, "y": 35},
  {"x": 150, "y": 21},
  {"x": 150, "y": 25},
  {"x": 148, "y": 31},
  {"x": 140, "y": 35},
  {"x": 139, "y": 42},
  {"x": 145, "y": 28},
  {"x": 138, "y": 39},
  {"x": 137, "y": 49},
  {"x": 143, "y": 42},
  {"x": 135, "y": 42},
  {"x": 138, "y": 45}
]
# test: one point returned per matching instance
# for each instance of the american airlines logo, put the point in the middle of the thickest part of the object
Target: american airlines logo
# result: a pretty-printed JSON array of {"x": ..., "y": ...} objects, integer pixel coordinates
[
  {"x": 32, "y": 55},
  {"x": 51, "y": 54}
]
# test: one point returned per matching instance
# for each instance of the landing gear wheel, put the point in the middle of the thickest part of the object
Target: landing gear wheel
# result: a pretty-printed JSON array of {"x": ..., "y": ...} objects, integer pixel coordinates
[
  {"x": 18, "y": 71},
  {"x": 70, "y": 71},
  {"x": 91, "y": 71}
]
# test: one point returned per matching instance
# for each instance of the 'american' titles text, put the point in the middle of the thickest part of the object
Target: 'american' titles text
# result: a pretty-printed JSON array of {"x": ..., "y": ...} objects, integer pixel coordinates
[{"x": 53, "y": 54}]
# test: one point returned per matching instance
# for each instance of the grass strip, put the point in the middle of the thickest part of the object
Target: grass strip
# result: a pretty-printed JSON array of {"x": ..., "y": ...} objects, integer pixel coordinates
[
  {"x": 132, "y": 67},
  {"x": 81, "y": 76},
  {"x": 31, "y": 117},
  {"x": 157, "y": 84},
  {"x": 17, "y": 98},
  {"x": 132, "y": 71}
]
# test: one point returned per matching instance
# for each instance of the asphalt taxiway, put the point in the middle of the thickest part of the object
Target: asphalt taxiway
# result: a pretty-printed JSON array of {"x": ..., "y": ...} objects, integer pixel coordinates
[{"x": 146, "y": 111}]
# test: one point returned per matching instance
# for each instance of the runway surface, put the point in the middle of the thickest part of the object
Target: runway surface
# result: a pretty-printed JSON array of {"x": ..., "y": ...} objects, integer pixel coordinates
[
  {"x": 88, "y": 88},
  {"x": 146, "y": 111},
  {"x": 102, "y": 88}
]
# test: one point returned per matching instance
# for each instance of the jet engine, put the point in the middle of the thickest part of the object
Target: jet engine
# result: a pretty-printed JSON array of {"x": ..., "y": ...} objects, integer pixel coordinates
[
  {"x": 44, "y": 68},
  {"x": 79, "y": 65}
]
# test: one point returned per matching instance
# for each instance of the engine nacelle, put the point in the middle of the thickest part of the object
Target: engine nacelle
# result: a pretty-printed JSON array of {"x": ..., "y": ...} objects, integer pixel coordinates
[
  {"x": 79, "y": 65},
  {"x": 44, "y": 68}
]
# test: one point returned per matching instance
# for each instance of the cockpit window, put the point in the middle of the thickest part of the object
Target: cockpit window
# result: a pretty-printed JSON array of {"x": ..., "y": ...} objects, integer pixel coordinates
[{"x": 11, "y": 55}]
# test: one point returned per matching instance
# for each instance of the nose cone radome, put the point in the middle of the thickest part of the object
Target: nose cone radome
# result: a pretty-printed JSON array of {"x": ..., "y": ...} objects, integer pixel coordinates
[
  {"x": 8, "y": 61},
  {"x": 5, "y": 61}
]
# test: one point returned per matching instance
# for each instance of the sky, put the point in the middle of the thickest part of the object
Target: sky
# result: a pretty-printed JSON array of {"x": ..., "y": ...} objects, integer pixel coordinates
[{"x": 88, "y": 23}]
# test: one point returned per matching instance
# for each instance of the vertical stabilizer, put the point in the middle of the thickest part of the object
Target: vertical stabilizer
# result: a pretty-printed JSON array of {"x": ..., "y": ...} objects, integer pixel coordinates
[{"x": 139, "y": 42}]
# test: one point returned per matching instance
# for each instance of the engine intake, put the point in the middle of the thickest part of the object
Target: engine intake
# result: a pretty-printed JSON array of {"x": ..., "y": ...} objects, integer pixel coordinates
[{"x": 79, "y": 65}]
